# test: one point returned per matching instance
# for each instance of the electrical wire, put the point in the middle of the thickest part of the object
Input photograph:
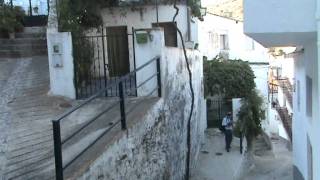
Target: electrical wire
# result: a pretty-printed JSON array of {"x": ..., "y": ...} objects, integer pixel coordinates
[{"x": 187, "y": 171}]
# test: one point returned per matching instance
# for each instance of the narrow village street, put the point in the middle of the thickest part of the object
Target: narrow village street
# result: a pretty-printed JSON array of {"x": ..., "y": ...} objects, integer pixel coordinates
[
  {"x": 275, "y": 164},
  {"x": 216, "y": 164},
  {"x": 159, "y": 90}
]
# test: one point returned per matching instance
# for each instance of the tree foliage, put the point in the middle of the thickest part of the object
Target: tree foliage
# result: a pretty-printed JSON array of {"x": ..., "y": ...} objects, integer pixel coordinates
[
  {"x": 250, "y": 116},
  {"x": 229, "y": 78},
  {"x": 11, "y": 18},
  {"x": 235, "y": 79}
]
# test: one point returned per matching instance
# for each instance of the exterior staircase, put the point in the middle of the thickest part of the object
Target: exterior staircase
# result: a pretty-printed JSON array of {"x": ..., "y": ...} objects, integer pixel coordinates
[
  {"x": 286, "y": 119},
  {"x": 283, "y": 113},
  {"x": 286, "y": 86},
  {"x": 25, "y": 44}
]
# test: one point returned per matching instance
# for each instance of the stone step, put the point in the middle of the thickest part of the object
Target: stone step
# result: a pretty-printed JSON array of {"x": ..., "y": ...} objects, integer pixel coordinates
[
  {"x": 29, "y": 35},
  {"x": 22, "y": 53},
  {"x": 35, "y": 29},
  {"x": 20, "y": 47},
  {"x": 19, "y": 41}
]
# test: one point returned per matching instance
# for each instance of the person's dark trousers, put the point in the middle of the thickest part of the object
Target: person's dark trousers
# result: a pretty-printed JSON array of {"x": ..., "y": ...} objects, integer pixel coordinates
[{"x": 228, "y": 138}]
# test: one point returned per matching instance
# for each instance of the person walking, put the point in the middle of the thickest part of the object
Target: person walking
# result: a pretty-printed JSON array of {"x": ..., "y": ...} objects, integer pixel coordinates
[{"x": 227, "y": 125}]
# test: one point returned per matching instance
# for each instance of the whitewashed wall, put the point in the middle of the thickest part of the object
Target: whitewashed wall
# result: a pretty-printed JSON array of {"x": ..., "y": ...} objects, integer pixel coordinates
[
  {"x": 144, "y": 53},
  {"x": 155, "y": 148},
  {"x": 62, "y": 77},
  {"x": 240, "y": 45},
  {"x": 304, "y": 125},
  {"x": 144, "y": 16},
  {"x": 284, "y": 26},
  {"x": 236, "y": 105},
  {"x": 261, "y": 72}
]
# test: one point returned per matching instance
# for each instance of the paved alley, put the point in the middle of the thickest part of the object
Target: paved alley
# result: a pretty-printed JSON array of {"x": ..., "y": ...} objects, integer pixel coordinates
[
  {"x": 26, "y": 114},
  {"x": 215, "y": 163},
  {"x": 271, "y": 165}
]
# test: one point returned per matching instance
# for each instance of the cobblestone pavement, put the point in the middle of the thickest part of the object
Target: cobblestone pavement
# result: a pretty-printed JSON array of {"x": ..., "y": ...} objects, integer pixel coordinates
[{"x": 26, "y": 112}]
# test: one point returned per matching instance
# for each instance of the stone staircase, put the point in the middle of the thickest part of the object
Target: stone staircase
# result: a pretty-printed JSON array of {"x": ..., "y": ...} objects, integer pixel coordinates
[
  {"x": 25, "y": 44},
  {"x": 286, "y": 119},
  {"x": 260, "y": 147},
  {"x": 286, "y": 86}
]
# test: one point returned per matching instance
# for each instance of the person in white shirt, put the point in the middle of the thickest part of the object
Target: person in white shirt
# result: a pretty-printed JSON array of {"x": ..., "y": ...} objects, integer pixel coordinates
[{"x": 227, "y": 125}]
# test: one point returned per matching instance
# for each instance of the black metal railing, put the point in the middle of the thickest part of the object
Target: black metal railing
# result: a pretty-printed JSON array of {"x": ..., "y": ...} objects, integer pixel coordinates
[
  {"x": 241, "y": 142},
  {"x": 59, "y": 142}
]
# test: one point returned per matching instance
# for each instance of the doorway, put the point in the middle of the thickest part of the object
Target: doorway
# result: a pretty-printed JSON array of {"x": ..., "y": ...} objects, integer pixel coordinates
[
  {"x": 310, "y": 158},
  {"x": 118, "y": 51}
]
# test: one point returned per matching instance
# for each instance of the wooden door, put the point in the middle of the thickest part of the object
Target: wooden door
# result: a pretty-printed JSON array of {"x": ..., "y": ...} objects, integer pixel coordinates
[{"x": 118, "y": 51}]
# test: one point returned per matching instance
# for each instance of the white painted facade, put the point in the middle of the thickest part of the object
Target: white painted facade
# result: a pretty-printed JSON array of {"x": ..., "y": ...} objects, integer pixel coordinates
[
  {"x": 238, "y": 46},
  {"x": 144, "y": 16},
  {"x": 225, "y": 37},
  {"x": 61, "y": 65},
  {"x": 141, "y": 19},
  {"x": 286, "y": 26}
]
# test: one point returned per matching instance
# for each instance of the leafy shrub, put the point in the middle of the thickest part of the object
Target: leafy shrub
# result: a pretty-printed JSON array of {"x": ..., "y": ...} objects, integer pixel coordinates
[{"x": 11, "y": 18}]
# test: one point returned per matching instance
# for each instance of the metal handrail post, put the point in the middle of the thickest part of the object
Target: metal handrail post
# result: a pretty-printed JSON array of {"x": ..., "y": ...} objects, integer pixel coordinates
[
  {"x": 57, "y": 150},
  {"x": 122, "y": 107},
  {"x": 30, "y": 8},
  {"x": 159, "y": 77},
  {"x": 241, "y": 148}
]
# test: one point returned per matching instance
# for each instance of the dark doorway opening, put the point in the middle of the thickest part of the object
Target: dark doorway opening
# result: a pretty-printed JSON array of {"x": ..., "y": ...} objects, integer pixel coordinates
[{"x": 118, "y": 51}]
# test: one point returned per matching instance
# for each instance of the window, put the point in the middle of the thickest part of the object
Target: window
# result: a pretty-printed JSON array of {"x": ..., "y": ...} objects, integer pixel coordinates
[
  {"x": 224, "y": 45},
  {"x": 249, "y": 43},
  {"x": 308, "y": 96},
  {"x": 170, "y": 33},
  {"x": 213, "y": 40}
]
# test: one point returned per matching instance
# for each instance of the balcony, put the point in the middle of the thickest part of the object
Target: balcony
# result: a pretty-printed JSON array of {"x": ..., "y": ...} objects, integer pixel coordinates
[{"x": 280, "y": 23}]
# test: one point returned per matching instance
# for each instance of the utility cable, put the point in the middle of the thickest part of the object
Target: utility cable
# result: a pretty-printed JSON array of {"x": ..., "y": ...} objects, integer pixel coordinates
[{"x": 187, "y": 169}]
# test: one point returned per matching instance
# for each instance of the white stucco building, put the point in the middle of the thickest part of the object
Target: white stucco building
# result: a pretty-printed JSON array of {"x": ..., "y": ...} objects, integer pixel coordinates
[
  {"x": 142, "y": 18},
  {"x": 225, "y": 37},
  {"x": 117, "y": 47},
  {"x": 294, "y": 23}
]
